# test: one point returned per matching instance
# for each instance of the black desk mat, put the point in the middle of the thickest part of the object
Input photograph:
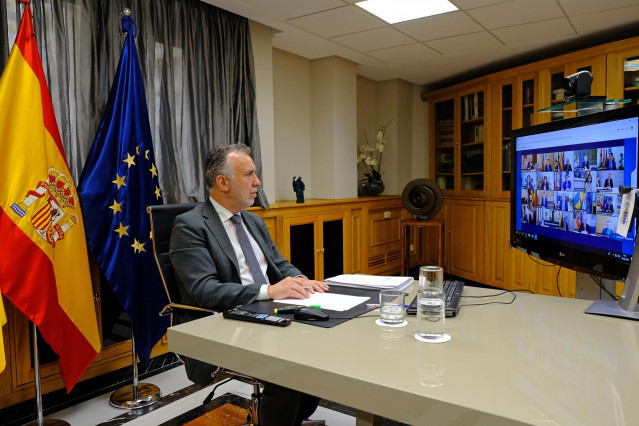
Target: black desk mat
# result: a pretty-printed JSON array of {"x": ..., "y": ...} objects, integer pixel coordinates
[{"x": 335, "y": 317}]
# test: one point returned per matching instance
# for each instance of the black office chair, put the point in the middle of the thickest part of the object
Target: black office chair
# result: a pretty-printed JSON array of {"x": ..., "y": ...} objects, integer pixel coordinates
[{"x": 162, "y": 218}]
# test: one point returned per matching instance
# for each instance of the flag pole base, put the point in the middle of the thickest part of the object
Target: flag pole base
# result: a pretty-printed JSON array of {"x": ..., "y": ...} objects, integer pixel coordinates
[
  {"x": 50, "y": 422},
  {"x": 125, "y": 398}
]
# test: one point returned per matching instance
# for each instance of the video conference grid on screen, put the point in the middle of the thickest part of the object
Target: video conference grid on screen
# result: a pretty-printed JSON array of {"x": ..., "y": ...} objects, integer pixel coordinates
[{"x": 569, "y": 182}]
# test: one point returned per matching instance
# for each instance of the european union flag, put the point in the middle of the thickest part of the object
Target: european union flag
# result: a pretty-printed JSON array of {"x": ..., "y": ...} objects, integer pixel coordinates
[{"x": 118, "y": 182}]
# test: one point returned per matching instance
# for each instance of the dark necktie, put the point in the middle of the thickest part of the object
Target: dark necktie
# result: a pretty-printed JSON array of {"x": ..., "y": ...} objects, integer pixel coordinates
[{"x": 249, "y": 254}]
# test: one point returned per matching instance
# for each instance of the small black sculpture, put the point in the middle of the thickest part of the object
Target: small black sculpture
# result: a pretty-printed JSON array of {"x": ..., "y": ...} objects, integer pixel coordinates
[{"x": 299, "y": 187}]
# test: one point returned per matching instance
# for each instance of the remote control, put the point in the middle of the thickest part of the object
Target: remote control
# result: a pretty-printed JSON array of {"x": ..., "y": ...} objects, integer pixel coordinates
[{"x": 242, "y": 315}]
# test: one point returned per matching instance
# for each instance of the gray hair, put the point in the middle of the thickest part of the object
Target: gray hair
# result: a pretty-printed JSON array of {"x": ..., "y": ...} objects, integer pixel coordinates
[{"x": 217, "y": 161}]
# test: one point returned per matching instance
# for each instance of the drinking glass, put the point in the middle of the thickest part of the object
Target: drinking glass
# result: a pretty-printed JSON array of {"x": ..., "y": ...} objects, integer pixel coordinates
[
  {"x": 430, "y": 305},
  {"x": 391, "y": 307}
]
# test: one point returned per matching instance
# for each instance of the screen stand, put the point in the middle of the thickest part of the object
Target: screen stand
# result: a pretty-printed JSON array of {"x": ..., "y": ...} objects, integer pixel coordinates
[
  {"x": 626, "y": 307},
  {"x": 586, "y": 287}
]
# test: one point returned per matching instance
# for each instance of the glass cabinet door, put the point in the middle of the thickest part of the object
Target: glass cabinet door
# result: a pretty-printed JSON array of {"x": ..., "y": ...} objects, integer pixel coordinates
[
  {"x": 444, "y": 115},
  {"x": 623, "y": 76},
  {"x": 557, "y": 93},
  {"x": 471, "y": 142},
  {"x": 631, "y": 79},
  {"x": 506, "y": 115},
  {"x": 528, "y": 102}
]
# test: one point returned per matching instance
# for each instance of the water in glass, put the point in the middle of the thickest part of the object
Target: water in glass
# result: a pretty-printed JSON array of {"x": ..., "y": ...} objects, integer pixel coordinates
[{"x": 430, "y": 314}]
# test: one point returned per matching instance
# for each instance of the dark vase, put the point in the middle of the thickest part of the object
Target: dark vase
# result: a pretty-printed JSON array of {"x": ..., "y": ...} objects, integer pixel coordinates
[{"x": 370, "y": 188}]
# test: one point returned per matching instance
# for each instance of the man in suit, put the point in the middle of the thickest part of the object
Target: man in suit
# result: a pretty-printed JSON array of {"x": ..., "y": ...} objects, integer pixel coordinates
[
  {"x": 547, "y": 166},
  {"x": 567, "y": 166},
  {"x": 213, "y": 271},
  {"x": 563, "y": 203},
  {"x": 611, "y": 164},
  {"x": 608, "y": 182}
]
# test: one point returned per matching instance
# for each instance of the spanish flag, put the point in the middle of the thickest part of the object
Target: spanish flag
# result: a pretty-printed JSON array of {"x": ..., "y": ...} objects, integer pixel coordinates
[{"x": 44, "y": 269}]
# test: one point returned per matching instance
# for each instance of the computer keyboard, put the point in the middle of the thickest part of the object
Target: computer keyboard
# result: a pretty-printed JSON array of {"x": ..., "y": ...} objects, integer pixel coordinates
[{"x": 453, "y": 291}]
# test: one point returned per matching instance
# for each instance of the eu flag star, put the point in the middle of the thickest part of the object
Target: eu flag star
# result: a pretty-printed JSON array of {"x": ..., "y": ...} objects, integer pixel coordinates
[
  {"x": 121, "y": 230},
  {"x": 129, "y": 160},
  {"x": 158, "y": 194},
  {"x": 119, "y": 181},
  {"x": 137, "y": 246},
  {"x": 153, "y": 170},
  {"x": 116, "y": 207}
]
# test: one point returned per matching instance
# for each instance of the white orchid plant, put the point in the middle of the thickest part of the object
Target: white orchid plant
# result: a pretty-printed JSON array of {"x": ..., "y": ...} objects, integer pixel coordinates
[{"x": 370, "y": 158}]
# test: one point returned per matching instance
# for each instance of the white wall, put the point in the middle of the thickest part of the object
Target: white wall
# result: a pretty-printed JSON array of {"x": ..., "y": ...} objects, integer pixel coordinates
[
  {"x": 292, "y": 115},
  {"x": 406, "y": 152},
  {"x": 263, "y": 59},
  {"x": 290, "y": 96}
]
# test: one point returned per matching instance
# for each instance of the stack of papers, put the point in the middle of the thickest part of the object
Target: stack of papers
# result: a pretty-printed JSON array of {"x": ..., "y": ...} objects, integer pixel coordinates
[
  {"x": 370, "y": 282},
  {"x": 330, "y": 301}
]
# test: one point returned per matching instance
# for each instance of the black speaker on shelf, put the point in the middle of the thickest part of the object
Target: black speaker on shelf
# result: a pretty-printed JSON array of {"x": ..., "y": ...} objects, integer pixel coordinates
[{"x": 423, "y": 198}]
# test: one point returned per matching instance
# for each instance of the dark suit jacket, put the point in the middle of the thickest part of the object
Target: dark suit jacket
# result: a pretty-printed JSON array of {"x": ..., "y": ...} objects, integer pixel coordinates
[{"x": 207, "y": 271}]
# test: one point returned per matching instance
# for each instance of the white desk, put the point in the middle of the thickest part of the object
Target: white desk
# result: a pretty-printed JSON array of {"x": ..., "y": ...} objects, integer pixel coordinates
[{"x": 540, "y": 360}]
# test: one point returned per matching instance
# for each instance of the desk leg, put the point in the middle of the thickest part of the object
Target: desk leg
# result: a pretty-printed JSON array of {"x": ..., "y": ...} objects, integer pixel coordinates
[{"x": 367, "y": 419}]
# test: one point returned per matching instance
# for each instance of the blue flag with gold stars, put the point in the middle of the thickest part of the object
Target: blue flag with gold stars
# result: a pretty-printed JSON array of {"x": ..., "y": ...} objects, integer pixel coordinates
[{"x": 118, "y": 182}]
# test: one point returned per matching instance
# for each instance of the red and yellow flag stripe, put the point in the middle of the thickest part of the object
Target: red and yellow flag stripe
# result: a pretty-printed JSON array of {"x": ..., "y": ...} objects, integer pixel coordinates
[{"x": 44, "y": 267}]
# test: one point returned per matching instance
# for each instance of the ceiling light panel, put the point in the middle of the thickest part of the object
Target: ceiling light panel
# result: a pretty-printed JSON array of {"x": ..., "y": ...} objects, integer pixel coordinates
[{"x": 394, "y": 11}]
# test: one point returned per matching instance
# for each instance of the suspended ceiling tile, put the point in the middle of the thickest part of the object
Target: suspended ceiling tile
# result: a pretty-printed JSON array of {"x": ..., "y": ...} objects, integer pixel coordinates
[
  {"x": 465, "y": 43},
  {"x": 407, "y": 54},
  {"x": 288, "y": 9},
  {"x": 558, "y": 28},
  {"x": 582, "y": 7},
  {"x": 471, "y": 4},
  {"x": 596, "y": 22},
  {"x": 304, "y": 45},
  {"x": 337, "y": 22},
  {"x": 440, "y": 26},
  {"x": 378, "y": 38},
  {"x": 516, "y": 12}
]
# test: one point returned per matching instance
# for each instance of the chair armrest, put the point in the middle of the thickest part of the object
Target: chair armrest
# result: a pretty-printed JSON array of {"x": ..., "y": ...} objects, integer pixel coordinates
[{"x": 171, "y": 307}]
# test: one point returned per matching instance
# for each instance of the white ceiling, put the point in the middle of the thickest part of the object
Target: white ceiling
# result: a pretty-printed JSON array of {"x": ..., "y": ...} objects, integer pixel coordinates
[{"x": 482, "y": 36}]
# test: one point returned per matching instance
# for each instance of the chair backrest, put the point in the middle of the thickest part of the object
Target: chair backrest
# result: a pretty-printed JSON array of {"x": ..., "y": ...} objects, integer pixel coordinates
[{"x": 162, "y": 218}]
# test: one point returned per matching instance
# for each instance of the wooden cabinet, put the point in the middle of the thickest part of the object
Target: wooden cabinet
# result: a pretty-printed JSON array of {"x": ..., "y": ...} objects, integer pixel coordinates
[
  {"x": 477, "y": 201},
  {"x": 465, "y": 238},
  {"x": 514, "y": 105},
  {"x": 551, "y": 79},
  {"x": 459, "y": 133},
  {"x": 316, "y": 244},
  {"x": 497, "y": 244},
  {"x": 623, "y": 75},
  {"x": 383, "y": 249}
]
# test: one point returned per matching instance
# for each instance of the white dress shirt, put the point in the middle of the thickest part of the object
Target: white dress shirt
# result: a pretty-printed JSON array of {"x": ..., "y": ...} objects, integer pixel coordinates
[{"x": 245, "y": 272}]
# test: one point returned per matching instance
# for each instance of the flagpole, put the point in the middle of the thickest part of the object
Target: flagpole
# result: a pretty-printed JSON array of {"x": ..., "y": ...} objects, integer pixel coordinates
[
  {"x": 136, "y": 395},
  {"x": 38, "y": 385}
]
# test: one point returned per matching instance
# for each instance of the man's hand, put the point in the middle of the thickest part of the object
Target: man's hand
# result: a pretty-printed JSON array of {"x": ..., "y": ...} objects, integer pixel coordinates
[{"x": 295, "y": 288}]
